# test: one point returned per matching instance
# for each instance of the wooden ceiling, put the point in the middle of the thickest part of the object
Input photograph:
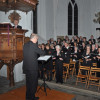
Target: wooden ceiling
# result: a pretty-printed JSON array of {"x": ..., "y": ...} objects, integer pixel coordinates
[{"x": 22, "y": 5}]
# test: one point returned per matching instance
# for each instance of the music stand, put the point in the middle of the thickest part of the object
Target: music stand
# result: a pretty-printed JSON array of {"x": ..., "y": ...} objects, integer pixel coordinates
[{"x": 44, "y": 59}]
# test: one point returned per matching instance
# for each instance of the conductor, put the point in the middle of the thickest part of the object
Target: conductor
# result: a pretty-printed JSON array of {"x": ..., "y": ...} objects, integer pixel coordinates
[{"x": 30, "y": 66}]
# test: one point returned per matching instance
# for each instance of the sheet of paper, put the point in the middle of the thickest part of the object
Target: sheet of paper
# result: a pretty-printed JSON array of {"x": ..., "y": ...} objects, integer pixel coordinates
[{"x": 45, "y": 58}]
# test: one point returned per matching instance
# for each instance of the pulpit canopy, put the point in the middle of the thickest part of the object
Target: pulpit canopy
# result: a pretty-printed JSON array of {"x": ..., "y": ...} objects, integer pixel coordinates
[{"x": 22, "y": 5}]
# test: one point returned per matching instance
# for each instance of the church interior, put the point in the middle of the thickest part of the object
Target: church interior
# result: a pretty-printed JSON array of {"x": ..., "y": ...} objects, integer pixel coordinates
[{"x": 70, "y": 28}]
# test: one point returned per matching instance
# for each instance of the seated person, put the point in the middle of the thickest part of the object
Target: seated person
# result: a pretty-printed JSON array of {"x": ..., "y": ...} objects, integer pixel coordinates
[{"x": 16, "y": 24}]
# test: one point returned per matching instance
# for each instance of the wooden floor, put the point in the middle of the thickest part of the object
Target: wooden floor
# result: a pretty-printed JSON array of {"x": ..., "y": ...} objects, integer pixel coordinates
[{"x": 19, "y": 94}]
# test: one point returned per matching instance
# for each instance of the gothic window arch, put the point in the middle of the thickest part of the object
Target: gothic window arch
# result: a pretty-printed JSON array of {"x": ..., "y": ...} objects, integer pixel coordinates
[
  {"x": 72, "y": 18},
  {"x": 69, "y": 19}
]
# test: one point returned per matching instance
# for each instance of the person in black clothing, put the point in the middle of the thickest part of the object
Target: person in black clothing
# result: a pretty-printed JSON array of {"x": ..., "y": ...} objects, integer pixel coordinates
[
  {"x": 49, "y": 64},
  {"x": 75, "y": 57},
  {"x": 92, "y": 39},
  {"x": 16, "y": 24},
  {"x": 58, "y": 56},
  {"x": 30, "y": 66},
  {"x": 98, "y": 61},
  {"x": 87, "y": 58},
  {"x": 93, "y": 52},
  {"x": 58, "y": 41},
  {"x": 66, "y": 51}
]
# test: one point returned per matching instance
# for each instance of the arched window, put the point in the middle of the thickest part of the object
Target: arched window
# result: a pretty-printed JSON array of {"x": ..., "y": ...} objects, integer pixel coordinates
[
  {"x": 69, "y": 19},
  {"x": 75, "y": 19},
  {"x": 72, "y": 18}
]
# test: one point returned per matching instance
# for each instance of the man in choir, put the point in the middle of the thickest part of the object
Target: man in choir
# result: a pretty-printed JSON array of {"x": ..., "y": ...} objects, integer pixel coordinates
[
  {"x": 85, "y": 40},
  {"x": 66, "y": 51},
  {"x": 16, "y": 24},
  {"x": 30, "y": 66},
  {"x": 92, "y": 39}
]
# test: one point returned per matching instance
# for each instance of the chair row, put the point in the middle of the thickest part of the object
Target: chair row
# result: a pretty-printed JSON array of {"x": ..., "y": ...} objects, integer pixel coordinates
[{"x": 88, "y": 75}]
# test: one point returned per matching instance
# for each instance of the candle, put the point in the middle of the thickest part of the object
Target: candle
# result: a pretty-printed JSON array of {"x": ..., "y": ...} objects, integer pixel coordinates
[{"x": 8, "y": 35}]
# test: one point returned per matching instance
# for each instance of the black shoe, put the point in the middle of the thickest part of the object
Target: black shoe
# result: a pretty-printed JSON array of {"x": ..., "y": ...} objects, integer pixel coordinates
[
  {"x": 61, "y": 82},
  {"x": 50, "y": 80},
  {"x": 56, "y": 81},
  {"x": 47, "y": 79},
  {"x": 36, "y": 98}
]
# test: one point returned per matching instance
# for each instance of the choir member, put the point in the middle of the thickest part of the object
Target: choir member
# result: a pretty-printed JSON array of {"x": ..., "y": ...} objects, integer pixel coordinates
[
  {"x": 92, "y": 39},
  {"x": 75, "y": 57},
  {"x": 87, "y": 59},
  {"x": 98, "y": 61},
  {"x": 66, "y": 51},
  {"x": 58, "y": 41},
  {"x": 43, "y": 46},
  {"x": 49, "y": 64},
  {"x": 58, "y": 56},
  {"x": 93, "y": 52}
]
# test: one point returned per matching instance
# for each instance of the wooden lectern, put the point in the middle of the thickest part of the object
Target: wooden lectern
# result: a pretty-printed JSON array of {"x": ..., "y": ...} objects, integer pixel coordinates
[{"x": 11, "y": 47}]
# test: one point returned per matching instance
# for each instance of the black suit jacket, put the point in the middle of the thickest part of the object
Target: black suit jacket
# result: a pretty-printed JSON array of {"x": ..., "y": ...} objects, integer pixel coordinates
[
  {"x": 19, "y": 27},
  {"x": 30, "y": 55}
]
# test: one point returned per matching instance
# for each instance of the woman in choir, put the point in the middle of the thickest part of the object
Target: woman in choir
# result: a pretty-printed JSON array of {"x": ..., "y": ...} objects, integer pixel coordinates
[
  {"x": 58, "y": 56},
  {"x": 93, "y": 52},
  {"x": 58, "y": 41},
  {"x": 83, "y": 48},
  {"x": 96, "y": 46},
  {"x": 43, "y": 46},
  {"x": 55, "y": 43},
  {"x": 75, "y": 57},
  {"x": 90, "y": 43},
  {"x": 49, "y": 64},
  {"x": 87, "y": 59},
  {"x": 98, "y": 61},
  {"x": 52, "y": 49},
  {"x": 72, "y": 41}
]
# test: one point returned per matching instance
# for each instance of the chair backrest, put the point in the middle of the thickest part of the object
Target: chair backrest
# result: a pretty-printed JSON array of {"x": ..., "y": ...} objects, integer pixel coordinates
[
  {"x": 80, "y": 61},
  {"x": 84, "y": 68},
  {"x": 94, "y": 70},
  {"x": 66, "y": 65},
  {"x": 71, "y": 60},
  {"x": 94, "y": 64}
]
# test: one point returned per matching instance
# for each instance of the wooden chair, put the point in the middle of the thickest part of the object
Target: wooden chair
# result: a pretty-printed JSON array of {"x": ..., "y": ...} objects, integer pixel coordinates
[
  {"x": 94, "y": 80},
  {"x": 72, "y": 67},
  {"x": 65, "y": 71},
  {"x": 80, "y": 62},
  {"x": 81, "y": 77},
  {"x": 94, "y": 66},
  {"x": 54, "y": 71}
]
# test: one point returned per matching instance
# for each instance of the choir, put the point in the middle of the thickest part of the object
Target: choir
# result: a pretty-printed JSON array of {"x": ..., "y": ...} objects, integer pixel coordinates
[{"x": 64, "y": 50}]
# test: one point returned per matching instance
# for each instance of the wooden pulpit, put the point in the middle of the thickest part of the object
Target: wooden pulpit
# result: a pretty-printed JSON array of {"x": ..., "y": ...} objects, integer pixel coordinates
[{"x": 11, "y": 48}]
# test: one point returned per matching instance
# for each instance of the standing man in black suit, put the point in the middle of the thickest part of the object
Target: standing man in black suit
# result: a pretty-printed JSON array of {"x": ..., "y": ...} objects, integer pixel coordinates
[
  {"x": 30, "y": 66},
  {"x": 16, "y": 24}
]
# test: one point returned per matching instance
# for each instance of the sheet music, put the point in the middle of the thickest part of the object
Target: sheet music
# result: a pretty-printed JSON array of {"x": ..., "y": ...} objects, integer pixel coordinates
[{"x": 45, "y": 58}]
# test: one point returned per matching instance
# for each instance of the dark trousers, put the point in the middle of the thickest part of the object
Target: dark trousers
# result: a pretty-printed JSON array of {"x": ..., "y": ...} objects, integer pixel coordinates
[
  {"x": 49, "y": 74},
  {"x": 77, "y": 67},
  {"x": 31, "y": 85},
  {"x": 59, "y": 74}
]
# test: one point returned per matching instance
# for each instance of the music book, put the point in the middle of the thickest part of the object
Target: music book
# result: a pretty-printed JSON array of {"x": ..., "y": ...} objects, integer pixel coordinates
[
  {"x": 44, "y": 58},
  {"x": 5, "y": 25}
]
